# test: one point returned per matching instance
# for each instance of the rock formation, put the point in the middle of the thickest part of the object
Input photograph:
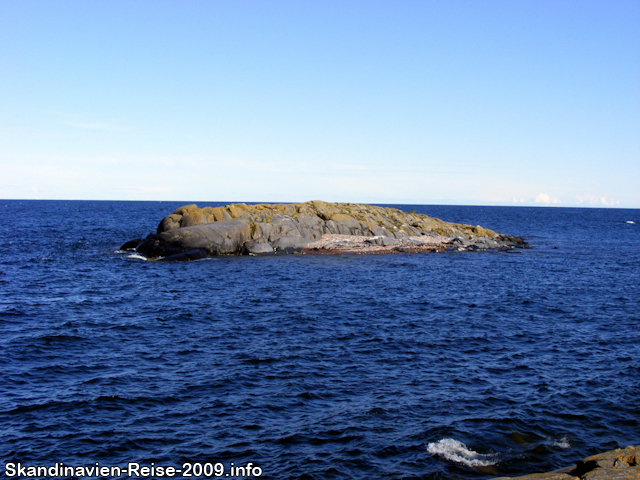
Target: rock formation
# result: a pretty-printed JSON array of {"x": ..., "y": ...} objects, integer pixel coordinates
[
  {"x": 190, "y": 232},
  {"x": 620, "y": 464}
]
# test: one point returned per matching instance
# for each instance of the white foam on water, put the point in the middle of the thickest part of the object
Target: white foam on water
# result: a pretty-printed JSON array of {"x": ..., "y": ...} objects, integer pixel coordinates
[
  {"x": 136, "y": 256},
  {"x": 562, "y": 443},
  {"x": 630, "y": 221},
  {"x": 457, "y": 451}
]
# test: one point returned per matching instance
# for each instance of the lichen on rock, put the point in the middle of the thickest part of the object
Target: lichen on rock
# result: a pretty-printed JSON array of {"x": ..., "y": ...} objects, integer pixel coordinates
[
  {"x": 619, "y": 464},
  {"x": 290, "y": 228}
]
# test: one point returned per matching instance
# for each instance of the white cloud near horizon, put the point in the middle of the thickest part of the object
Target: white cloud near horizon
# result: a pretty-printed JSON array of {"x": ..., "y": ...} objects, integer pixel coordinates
[
  {"x": 196, "y": 178},
  {"x": 546, "y": 199},
  {"x": 594, "y": 200}
]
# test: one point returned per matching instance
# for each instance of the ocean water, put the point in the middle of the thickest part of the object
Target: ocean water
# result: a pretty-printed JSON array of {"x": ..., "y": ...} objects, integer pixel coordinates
[{"x": 451, "y": 365}]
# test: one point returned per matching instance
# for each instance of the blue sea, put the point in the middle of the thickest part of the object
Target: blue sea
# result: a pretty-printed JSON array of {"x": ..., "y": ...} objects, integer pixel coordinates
[{"x": 464, "y": 365}]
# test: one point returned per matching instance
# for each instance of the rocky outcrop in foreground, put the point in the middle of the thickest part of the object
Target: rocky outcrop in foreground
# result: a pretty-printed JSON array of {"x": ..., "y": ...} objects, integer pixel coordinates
[
  {"x": 191, "y": 233},
  {"x": 620, "y": 464}
]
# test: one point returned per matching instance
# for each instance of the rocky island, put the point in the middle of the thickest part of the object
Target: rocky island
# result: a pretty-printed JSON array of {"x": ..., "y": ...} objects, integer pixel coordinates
[{"x": 191, "y": 233}]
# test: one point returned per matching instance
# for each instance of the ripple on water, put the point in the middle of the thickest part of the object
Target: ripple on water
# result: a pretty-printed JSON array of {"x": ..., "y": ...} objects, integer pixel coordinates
[{"x": 414, "y": 366}]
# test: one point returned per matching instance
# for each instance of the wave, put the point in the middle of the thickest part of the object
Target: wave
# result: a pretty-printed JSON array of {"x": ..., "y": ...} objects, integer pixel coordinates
[
  {"x": 563, "y": 443},
  {"x": 136, "y": 256},
  {"x": 458, "y": 452}
]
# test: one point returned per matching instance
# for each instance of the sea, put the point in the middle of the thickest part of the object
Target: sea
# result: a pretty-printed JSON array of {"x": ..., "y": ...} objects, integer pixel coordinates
[{"x": 453, "y": 365}]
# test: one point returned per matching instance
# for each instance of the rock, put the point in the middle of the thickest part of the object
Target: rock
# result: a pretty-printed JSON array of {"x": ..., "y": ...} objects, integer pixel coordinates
[
  {"x": 310, "y": 226},
  {"x": 195, "y": 254},
  {"x": 284, "y": 226},
  {"x": 542, "y": 476},
  {"x": 219, "y": 238},
  {"x": 485, "y": 242},
  {"x": 412, "y": 242},
  {"x": 291, "y": 227},
  {"x": 333, "y": 245},
  {"x": 169, "y": 223},
  {"x": 381, "y": 232},
  {"x": 619, "y": 464},
  {"x": 264, "y": 230},
  {"x": 257, "y": 247},
  {"x": 613, "y": 474},
  {"x": 186, "y": 209},
  {"x": 620, "y": 458},
  {"x": 383, "y": 241},
  {"x": 290, "y": 244},
  {"x": 131, "y": 244}
]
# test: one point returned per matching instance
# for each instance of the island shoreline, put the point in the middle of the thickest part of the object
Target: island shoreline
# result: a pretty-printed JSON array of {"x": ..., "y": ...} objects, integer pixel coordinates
[{"x": 192, "y": 233}]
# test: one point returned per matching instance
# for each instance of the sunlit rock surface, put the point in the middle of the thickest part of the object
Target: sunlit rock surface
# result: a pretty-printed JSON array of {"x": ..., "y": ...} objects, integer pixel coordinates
[
  {"x": 619, "y": 464},
  {"x": 266, "y": 229}
]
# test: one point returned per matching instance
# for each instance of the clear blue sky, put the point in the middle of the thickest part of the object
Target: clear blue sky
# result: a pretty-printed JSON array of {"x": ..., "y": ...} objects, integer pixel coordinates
[{"x": 450, "y": 102}]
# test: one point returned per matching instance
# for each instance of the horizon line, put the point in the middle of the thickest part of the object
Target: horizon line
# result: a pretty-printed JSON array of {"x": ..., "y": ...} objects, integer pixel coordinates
[{"x": 187, "y": 202}]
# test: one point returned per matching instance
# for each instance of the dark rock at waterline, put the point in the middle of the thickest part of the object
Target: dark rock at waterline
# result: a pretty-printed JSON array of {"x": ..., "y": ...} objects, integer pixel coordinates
[
  {"x": 257, "y": 247},
  {"x": 131, "y": 244},
  {"x": 190, "y": 232},
  {"x": 220, "y": 238},
  {"x": 619, "y": 464},
  {"x": 195, "y": 254}
]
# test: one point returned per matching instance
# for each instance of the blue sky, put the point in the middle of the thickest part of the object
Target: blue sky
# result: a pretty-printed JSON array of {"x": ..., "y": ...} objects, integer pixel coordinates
[{"x": 420, "y": 102}]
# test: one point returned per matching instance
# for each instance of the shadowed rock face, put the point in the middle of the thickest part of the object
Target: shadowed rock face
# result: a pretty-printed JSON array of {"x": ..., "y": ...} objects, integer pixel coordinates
[
  {"x": 289, "y": 228},
  {"x": 619, "y": 464}
]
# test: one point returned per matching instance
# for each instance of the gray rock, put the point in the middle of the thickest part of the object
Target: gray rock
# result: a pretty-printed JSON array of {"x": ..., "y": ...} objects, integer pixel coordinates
[
  {"x": 217, "y": 238},
  {"x": 290, "y": 244},
  {"x": 169, "y": 222},
  {"x": 412, "y": 242},
  {"x": 257, "y": 247},
  {"x": 284, "y": 226},
  {"x": 195, "y": 254},
  {"x": 189, "y": 231},
  {"x": 459, "y": 241},
  {"x": 337, "y": 243},
  {"x": 485, "y": 242},
  {"x": 192, "y": 219},
  {"x": 381, "y": 232},
  {"x": 413, "y": 231},
  {"x": 384, "y": 241},
  {"x": 336, "y": 228},
  {"x": 344, "y": 225},
  {"x": 264, "y": 230},
  {"x": 310, "y": 226}
]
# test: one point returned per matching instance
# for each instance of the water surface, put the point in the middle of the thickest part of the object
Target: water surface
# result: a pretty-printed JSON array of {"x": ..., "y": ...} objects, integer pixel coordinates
[{"x": 451, "y": 365}]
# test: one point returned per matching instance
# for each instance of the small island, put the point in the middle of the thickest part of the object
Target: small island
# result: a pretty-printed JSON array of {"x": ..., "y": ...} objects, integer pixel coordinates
[{"x": 315, "y": 227}]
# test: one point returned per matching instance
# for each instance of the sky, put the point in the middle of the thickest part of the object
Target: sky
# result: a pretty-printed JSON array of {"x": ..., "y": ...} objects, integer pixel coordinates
[{"x": 412, "y": 102}]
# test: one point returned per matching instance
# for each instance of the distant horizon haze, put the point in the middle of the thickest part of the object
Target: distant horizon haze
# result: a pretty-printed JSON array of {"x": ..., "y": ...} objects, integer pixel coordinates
[{"x": 203, "y": 203}]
